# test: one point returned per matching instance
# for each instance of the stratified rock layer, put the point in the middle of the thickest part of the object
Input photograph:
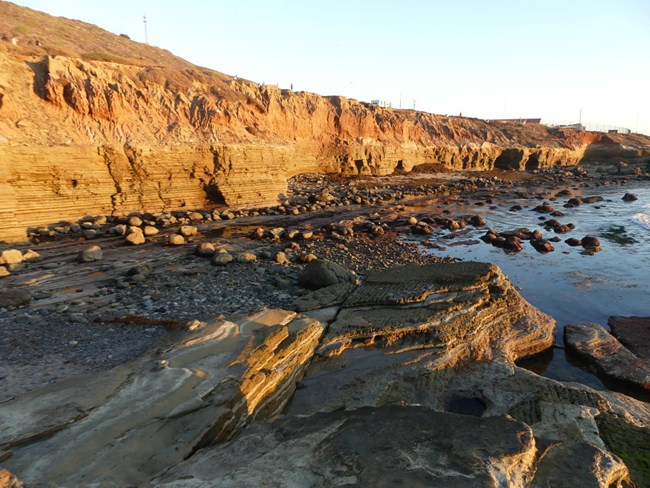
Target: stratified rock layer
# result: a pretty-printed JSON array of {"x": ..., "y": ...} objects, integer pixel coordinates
[
  {"x": 633, "y": 332},
  {"x": 414, "y": 381},
  {"x": 103, "y": 132},
  {"x": 464, "y": 310},
  {"x": 122, "y": 428},
  {"x": 386, "y": 446},
  {"x": 607, "y": 355}
]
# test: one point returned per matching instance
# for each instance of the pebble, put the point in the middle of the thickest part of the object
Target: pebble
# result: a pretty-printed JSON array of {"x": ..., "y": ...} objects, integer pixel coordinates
[
  {"x": 118, "y": 230},
  {"x": 90, "y": 254},
  {"x": 205, "y": 249},
  {"x": 188, "y": 230},
  {"x": 136, "y": 238},
  {"x": 590, "y": 242},
  {"x": 11, "y": 256},
  {"x": 222, "y": 258},
  {"x": 135, "y": 221},
  {"x": 281, "y": 258},
  {"x": 30, "y": 255},
  {"x": 176, "y": 240},
  {"x": 246, "y": 257}
]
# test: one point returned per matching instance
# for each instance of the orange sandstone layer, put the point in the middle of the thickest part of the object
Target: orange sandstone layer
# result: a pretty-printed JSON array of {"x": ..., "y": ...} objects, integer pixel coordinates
[{"x": 80, "y": 136}]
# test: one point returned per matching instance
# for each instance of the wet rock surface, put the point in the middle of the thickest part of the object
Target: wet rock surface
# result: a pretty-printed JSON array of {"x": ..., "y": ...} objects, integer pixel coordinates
[
  {"x": 607, "y": 355},
  {"x": 633, "y": 332},
  {"x": 436, "y": 343}
]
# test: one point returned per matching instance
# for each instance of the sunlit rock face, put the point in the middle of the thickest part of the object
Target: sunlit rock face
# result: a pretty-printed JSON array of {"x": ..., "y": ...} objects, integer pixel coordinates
[
  {"x": 413, "y": 379},
  {"x": 460, "y": 310},
  {"x": 81, "y": 136},
  {"x": 146, "y": 416}
]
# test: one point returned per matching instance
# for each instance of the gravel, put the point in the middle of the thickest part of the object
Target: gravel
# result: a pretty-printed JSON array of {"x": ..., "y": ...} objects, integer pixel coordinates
[{"x": 78, "y": 335}]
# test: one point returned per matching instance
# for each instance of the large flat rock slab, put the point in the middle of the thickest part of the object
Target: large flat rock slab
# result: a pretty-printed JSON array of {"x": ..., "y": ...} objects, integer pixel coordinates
[
  {"x": 465, "y": 310},
  {"x": 197, "y": 392},
  {"x": 567, "y": 419},
  {"x": 387, "y": 446},
  {"x": 607, "y": 355}
]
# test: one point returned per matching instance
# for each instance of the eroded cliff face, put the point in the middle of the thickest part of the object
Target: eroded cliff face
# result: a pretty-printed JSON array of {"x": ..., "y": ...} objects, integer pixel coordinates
[{"x": 81, "y": 137}]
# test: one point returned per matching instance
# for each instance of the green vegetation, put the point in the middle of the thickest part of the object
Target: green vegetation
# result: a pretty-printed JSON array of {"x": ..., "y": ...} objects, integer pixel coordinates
[
  {"x": 108, "y": 58},
  {"x": 618, "y": 234},
  {"x": 22, "y": 29},
  {"x": 630, "y": 443}
]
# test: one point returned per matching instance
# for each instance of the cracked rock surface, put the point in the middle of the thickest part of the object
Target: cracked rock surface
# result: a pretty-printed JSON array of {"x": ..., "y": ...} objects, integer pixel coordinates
[{"x": 408, "y": 377}]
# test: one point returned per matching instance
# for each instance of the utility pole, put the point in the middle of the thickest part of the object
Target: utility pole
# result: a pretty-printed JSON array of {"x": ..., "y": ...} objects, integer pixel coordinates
[
  {"x": 400, "y": 101},
  {"x": 414, "y": 104},
  {"x": 146, "y": 38},
  {"x": 580, "y": 117}
]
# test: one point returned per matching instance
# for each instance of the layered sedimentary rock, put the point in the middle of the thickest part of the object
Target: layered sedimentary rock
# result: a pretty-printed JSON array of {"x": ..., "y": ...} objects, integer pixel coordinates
[
  {"x": 462, "y": 310},
  {"x": 386, "y": 446},
  {"x": 104, "y": 132},
  {"x": 124, "y": 426},
  {"x": 535, "y": 432},
  {"x": 417, "y": 389},
  {"x": 433, "y": 397},
  {"x": 607, "y": 355},
  {"x": 633, "y": 332}
]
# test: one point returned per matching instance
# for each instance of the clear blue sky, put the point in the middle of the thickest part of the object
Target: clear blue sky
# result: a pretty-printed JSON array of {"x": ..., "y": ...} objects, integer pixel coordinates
[{"x": 489, "y": 59}]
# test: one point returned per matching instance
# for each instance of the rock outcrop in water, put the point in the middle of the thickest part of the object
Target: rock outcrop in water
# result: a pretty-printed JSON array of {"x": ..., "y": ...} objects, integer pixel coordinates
[
  {"x": 466, "y": 311},
  {"x": 105, "y": 132},
  {"x": 607, "y": 355},
  {"x": 413, "y": 380}
]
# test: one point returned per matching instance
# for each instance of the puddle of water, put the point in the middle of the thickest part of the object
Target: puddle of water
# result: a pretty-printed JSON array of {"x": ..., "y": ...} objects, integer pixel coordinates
[{"x": 466, "y": 406}]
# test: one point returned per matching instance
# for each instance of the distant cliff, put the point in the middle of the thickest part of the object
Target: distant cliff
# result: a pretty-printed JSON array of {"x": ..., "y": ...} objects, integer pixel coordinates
[{"x": 107, "y": 125}]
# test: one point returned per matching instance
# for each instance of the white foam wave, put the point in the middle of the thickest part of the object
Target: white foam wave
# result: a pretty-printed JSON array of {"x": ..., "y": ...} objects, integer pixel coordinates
[
  {"x": 642, "y": 219},
  {"x": 647, "y": 205}
]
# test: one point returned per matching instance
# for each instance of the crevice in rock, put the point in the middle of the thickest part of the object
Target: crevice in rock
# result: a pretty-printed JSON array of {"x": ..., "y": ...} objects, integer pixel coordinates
[
  {"x": 509, "y": 159},
  {"x": 109, "y": 155},
  {"x": 132, "y": 158},
  {"x": 533, "y": 161},
  {"x": 213, "y": 194},
  {"x": 466, "y": 405},
  {"x": 41, "y": 76}
]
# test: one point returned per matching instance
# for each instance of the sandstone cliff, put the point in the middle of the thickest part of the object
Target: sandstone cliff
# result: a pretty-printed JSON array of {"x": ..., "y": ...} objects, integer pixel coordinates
[{"x": 107, "y": 125}]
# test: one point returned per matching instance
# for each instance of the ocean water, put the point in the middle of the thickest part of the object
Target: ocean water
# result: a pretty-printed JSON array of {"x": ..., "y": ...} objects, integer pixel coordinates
[{"x": 569, "y": 285}]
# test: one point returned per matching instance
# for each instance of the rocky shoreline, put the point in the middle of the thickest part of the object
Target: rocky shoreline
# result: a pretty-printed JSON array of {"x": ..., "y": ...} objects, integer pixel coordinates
[
  {"x": 354, "y": 222},
  {"x": 82, "y": 315}
]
